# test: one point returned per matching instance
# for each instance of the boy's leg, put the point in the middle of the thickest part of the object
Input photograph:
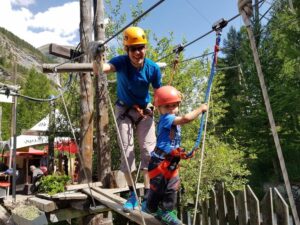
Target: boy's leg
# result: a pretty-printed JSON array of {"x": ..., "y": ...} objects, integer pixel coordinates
[{"x": 168, "y": 215}]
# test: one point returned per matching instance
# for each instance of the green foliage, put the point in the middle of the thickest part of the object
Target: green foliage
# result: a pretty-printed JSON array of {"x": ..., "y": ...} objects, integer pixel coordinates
[
  {"x": 222, "y": 162},
  {"x": 30, "y": 112},
  {"x": 53, "y": 184},
  {"x": 245, "y": 119}
]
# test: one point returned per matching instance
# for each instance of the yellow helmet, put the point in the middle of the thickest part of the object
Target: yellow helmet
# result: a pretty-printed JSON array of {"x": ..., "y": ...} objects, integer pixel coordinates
[{"x": 134, "y": 36}]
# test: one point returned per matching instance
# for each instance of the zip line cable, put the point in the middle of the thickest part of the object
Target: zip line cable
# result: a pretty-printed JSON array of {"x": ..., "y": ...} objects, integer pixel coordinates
[
  {"x": 116, "y": 34},
  {"x": 208, "y": 90},
  {"x": 63, "y": 90},
  {"x": 135, "y": 20},
  {"x": 204, "y": 35}
]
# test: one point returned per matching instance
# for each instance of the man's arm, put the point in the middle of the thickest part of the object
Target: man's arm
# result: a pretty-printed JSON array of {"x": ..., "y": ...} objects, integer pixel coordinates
[{"x": 107, "y": 68}]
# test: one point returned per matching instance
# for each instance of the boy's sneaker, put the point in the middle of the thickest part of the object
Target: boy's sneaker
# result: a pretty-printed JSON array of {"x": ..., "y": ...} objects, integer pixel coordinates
[
  {"x": 170, "y": 218},
  {"x": 131, "y": 203}
]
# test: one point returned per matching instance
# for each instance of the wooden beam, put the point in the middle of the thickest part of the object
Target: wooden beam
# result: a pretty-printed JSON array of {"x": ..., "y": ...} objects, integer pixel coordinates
[
  {"x": 134, "y": 215},
  {"x": 75, "y": 187},
  {"x": 71, "y": 213},
  {"x": 43, "y": 204},
  {"x": 67, "y": 67},
  {"x": 75, "y": 67},
  {"x": 63, "y": 52}
]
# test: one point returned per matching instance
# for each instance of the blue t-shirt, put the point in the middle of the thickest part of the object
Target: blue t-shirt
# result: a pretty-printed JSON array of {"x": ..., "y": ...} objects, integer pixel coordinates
[
  {"x": 133, "y": 84},
  {"x": 168, "y": 135}
]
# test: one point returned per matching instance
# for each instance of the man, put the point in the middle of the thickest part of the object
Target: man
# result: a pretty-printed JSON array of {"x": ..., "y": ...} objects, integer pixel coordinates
[
  {"x": 37, "y": 173},
  {"x": 135, "y": 73}
]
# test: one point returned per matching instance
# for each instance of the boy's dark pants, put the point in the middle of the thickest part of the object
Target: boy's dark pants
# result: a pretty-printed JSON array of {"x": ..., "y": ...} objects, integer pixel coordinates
[{"x": 164, "y": 185}]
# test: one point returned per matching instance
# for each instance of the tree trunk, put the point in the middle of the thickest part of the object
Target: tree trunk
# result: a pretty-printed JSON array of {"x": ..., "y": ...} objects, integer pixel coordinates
[{"x": 87, "y": 98}]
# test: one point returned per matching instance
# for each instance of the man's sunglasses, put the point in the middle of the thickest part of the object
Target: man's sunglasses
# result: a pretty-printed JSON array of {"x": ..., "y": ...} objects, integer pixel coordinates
[{"x": 136, "y": 48}]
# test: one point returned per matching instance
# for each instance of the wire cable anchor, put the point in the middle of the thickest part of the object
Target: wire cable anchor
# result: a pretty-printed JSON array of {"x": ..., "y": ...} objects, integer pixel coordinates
[{"x": 220, "y": 24}]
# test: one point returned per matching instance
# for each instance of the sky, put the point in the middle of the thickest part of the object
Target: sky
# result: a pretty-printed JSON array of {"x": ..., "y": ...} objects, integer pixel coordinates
[{"x": 41, "y": 22}]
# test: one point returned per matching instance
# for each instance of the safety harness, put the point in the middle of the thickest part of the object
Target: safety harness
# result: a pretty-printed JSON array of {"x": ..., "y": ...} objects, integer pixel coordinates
[{"x": 142, "y": 111}]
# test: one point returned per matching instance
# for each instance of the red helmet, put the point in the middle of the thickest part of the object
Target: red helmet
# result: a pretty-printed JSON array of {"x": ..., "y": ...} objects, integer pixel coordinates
[{"x": 166, "y": 95}]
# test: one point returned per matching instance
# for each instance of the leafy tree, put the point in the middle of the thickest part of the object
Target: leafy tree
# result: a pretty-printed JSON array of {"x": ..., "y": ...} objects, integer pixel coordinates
[{"x": 30, "y": 112}]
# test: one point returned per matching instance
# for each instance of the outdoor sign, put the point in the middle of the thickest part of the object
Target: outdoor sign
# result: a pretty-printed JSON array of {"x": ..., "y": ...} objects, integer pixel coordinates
[
  {"x": 29, "y": 140},
  {"x": 6, "y": 99}
]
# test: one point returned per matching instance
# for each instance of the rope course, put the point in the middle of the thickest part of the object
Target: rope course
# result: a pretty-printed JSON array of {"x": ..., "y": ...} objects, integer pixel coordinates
[
  {"x": 217, "y": 27},
  {"x": 8, "y": 91}
]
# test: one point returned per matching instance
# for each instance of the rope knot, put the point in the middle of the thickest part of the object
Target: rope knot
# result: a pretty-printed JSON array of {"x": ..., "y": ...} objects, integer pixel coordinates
[{"x": 246, "y": 7}]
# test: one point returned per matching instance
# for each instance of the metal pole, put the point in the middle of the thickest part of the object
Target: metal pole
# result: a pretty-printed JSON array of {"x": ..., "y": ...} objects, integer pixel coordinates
[{"x": 14, "y": 148}]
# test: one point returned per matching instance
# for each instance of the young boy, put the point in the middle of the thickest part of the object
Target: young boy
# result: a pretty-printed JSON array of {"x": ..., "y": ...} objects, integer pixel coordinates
[{"x": 163, "y": 166}]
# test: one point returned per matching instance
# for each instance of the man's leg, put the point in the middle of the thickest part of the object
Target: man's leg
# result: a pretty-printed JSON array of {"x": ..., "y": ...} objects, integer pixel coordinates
[
  {"x": 147, "y": 141},
  {"x": 127, "y": 147}
]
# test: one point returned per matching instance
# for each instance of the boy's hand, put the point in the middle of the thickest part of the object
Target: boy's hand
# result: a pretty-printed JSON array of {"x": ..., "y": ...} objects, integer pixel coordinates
[{"x": 204, "y": 107}]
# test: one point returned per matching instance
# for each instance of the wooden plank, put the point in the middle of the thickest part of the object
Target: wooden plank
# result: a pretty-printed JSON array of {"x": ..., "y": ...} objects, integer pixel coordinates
[
  {"x": 71, "y": 213},
  {"x": 241, "y": 203},
  {"x": 123, "y": 189},
  {"x": 253, "y": 207},
  {"x": 281, "y": 209},
  {"x": 62, "y": 51},
  {"x": 74, "y": 67},
  {"x": 134, "y": 215},
  {"x": 221, "y": 204},
  {"x": 204, "y": 209},
  {"x": 267, "y": 209},
  {"x": 212, "y": 207},
  {"x": 231, "y": 208},
  {"x": 43, "y": 204},
  {"x": 67, "y": 67},
  {"x": 64, "y": 196},
  {"x": 76, "y": 187}
]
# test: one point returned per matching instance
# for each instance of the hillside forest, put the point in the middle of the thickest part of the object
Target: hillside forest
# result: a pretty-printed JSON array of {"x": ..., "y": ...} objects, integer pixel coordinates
[{"x": 239, "y": 146}]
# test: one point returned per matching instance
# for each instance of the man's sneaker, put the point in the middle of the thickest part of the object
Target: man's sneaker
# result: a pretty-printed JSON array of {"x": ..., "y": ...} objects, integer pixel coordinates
[
  {"x": 131, "y": 203},
  {"x": 170, "y": 218}
]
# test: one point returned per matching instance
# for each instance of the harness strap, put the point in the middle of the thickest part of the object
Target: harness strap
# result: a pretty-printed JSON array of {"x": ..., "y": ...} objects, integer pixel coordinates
[
  {"x": 143, "y": 112},
  {"x": 162, "y": 168}
]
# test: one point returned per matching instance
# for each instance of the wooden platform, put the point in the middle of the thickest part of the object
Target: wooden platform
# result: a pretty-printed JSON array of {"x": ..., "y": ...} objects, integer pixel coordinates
[
  {"x": 115, "y": 203},
  {"x": 106, "y": 200}
]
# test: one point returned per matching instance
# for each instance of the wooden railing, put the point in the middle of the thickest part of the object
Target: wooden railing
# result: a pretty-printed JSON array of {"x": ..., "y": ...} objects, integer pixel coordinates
[{"x": 243, "y": 208}]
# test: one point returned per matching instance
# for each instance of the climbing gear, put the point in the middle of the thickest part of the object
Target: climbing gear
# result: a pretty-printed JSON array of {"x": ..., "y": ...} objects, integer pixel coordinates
[
  {"x": 245, "y": 6},
  {"x": 179, "y": 48},
  {"x": 134, "y": 36},
  {"x": 131, "y": 203},
  {"x": 170, "y": 162},
  {"x": 166, "y": 95},
  {"x": 170, "y": 218},
  {"x": 217, "y": 27},
  {"x": 142, "y": 111}
]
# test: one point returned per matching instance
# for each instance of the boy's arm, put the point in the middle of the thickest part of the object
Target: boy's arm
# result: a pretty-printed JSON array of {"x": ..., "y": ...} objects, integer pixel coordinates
[{"x": 180, "y": 120}]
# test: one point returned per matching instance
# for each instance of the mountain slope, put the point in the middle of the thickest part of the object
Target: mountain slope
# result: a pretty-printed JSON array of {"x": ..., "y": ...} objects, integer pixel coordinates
[{"x": 13, "y": 49}]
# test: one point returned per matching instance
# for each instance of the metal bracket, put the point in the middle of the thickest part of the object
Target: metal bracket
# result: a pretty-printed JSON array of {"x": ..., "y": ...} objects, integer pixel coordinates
[{"x": 220, "y": 24}]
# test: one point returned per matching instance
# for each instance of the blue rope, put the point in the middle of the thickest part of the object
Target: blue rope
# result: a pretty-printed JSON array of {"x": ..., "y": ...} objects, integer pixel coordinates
[{"x": 207, "y": 93}]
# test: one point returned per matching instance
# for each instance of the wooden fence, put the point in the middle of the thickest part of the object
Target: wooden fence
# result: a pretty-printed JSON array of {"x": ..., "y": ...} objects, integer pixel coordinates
[{"x": 244, "y": 208}]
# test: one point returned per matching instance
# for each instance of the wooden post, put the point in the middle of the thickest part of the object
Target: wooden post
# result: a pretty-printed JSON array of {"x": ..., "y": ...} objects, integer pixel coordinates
[
  {"x": 86, "y": 95},
  {"x": 102, "y": 120},
  {"x": 0, "y": 123}
]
